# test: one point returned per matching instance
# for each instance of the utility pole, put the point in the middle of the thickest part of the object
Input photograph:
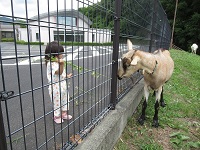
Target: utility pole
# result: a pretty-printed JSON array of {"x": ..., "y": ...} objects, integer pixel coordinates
[{"x": 172, "y": 36}]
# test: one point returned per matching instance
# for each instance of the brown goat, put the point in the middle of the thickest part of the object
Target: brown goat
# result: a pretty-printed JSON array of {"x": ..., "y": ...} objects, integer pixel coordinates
[{"x": 157, "y": 69}]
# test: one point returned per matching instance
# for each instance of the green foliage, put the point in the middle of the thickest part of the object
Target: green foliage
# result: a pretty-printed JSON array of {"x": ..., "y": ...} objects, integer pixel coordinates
[
  {"x": 101, "y": 19},
  {"x": 187, "y": 21},
  {"x": 22, "y": 42},
  {"x": 79, "y": 68},
  {"x": 151, "y": 146},
  {"x": 7, "y": 39},
  {"x": 133, "y": 24},
  {"x": 178, "y": 139},
  {"x": 21, "y": 23},
  {"x": 86, "y": 44}
]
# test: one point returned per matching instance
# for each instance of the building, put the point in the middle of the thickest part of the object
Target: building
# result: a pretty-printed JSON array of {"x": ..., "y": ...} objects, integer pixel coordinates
[
  {"x": 6, "y": 28},
  {"x": 63, "y": 25}
]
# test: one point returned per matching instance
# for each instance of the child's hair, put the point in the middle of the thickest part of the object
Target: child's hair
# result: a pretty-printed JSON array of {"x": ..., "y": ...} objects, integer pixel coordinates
[{"x": 53, "y": 49}]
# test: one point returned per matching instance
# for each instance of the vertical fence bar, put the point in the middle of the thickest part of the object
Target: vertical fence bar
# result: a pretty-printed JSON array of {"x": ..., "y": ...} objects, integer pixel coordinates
[
  {"x": 3, "y": 145},
  {"x": 152, "y": 25},
  {"x": 163, "y": 30},
  {"x": 118, "y": 5}
]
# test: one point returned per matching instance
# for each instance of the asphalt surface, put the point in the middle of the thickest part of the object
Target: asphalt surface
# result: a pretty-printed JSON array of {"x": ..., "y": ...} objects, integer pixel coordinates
[{"x": 28, "y": 113}]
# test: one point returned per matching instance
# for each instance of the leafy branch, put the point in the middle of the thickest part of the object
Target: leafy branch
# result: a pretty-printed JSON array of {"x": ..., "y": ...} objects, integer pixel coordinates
[{"x": 78, "y": 68}]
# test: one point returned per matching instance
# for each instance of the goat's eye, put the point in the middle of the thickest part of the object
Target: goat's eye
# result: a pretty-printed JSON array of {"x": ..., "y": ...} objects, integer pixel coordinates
[{"x": 128, "y": 65}]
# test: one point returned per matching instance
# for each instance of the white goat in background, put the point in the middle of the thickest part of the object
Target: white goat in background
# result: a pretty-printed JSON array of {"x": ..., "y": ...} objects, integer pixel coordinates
[
  {"x": 157, "y": 67},
  {"x": 194, "y": 48}
]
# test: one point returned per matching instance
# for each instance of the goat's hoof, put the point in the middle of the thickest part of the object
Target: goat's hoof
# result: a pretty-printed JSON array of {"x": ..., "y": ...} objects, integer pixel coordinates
[
  {"x": 155, "y": 123},
  {"x": 163, "y": 104},
  {"x": 141, "y": 121}
]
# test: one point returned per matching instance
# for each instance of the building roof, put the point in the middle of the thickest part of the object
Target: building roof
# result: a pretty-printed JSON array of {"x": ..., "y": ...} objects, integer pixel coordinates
[
  {"x": 65, "y": 12},
  {"x": 5, "y": 20}
]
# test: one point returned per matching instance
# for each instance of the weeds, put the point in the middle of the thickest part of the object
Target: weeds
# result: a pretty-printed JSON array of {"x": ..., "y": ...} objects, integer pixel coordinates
[{"x": 180, "y": 140}]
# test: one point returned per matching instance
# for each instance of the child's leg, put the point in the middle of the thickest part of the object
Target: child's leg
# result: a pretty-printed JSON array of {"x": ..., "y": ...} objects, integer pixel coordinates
[
  {"x": 65, "y": 106},
  {"x": 56, "y": 106},
  {"x": 65, "y": 101}
]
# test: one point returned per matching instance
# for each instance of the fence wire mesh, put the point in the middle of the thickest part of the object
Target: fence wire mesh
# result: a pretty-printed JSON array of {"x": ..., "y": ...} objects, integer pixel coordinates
[{"x": 93, "y": 45}]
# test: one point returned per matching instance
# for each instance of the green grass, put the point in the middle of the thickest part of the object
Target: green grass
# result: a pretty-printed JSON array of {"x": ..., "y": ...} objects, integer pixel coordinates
[{"x": 179, "y": 120}]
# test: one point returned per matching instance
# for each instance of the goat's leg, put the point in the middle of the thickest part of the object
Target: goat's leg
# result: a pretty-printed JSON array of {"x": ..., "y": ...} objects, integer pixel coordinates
[
  {"x": 144, "y": 106},
  {"x": 142, "y": 117},
  {"x": 162, "y": 103},
  {"x": 156, "y": 106},
  {"x": 154, "y": 93}
]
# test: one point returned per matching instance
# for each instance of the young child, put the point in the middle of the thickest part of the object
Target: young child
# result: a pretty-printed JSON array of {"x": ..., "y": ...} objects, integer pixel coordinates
[{"x": 56, "y": 76}]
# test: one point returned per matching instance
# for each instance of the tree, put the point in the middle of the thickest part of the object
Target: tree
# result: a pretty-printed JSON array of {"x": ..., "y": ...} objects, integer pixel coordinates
[
  {"x": 134, "y": 20},
  {"x": 137, "y": 15},
  {"x": 187, "y": 25}
]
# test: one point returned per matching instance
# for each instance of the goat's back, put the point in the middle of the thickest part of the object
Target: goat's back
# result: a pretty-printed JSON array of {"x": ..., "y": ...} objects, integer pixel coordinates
[
  {"x": 194, "y": 46},
  {"x": 166, "y": 63}
]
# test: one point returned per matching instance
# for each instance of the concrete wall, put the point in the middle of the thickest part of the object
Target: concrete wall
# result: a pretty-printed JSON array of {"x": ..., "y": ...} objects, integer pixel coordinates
[
  {"x": 105, "y": 135},
  {"x": 101, "y": 35},
  {"x": 23, "y": 34}
]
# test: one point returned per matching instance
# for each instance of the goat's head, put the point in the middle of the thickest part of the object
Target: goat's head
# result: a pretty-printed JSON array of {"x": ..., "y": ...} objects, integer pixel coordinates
[{"x": 129, "y": 62}]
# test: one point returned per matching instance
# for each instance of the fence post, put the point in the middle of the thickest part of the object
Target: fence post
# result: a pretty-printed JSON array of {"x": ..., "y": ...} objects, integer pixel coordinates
[
  {"x": 4, "y": 95},
  {"x": 3, "y": 145},
  {"x": 152, "y": 25},
  {"x": 118, "y": 4}
]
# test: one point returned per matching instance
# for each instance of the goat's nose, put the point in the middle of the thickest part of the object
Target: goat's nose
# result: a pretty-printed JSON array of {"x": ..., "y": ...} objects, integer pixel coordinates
[{"x": 119, "y": 77}]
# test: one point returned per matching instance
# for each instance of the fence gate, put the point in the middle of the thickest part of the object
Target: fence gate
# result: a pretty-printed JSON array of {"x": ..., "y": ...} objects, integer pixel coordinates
[{"x": 93, "y": 34}]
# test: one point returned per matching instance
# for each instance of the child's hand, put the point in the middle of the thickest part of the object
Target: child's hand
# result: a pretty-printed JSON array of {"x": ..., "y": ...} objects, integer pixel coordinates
[{"x": 69, "y": 75}]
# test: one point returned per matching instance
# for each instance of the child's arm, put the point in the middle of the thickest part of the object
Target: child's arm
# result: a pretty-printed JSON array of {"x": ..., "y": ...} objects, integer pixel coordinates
[{"x": 61, "y": 67}]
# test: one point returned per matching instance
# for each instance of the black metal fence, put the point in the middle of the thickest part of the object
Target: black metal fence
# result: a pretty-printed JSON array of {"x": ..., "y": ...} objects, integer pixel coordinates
[{"x": 94, "y": 36}]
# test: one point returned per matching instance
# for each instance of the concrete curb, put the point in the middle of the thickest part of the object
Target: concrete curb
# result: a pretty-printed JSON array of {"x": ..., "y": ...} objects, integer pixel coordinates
[{"x": 105, "y": 135}]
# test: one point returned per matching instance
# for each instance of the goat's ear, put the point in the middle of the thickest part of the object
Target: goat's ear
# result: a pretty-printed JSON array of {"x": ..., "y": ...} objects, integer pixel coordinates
[
  {"x": 135, "y": 60},
  {"x": 129, "y": 45}
]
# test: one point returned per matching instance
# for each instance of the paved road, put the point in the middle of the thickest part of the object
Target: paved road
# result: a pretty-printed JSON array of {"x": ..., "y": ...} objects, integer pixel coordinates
[{"x": 29, "y": 118}]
